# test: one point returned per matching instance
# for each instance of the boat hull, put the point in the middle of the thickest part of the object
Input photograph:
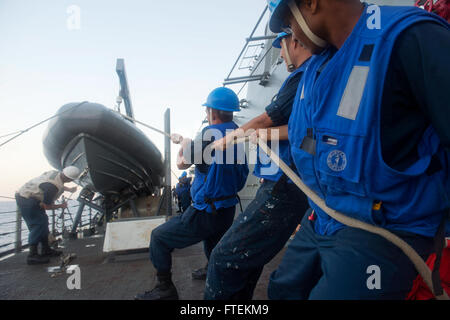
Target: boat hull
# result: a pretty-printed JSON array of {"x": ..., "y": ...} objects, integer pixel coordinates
[{"x": 114, "y": 155}]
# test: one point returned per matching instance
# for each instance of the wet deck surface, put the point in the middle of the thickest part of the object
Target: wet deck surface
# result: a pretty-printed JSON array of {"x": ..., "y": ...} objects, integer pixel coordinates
[{"x": 107, "y": 277}]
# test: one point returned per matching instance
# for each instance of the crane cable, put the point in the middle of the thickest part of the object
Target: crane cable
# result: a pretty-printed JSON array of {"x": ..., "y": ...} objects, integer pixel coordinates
[
  {"x": 144, "y": 124},
  {"x": 21, "y": 132}
]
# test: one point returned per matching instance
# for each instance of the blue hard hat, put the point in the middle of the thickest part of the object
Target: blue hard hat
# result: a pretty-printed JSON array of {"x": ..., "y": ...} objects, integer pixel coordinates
[
  {"x": 277, "y": 9},
  {"x": 277, "y": 42},
  {"x": 184, "y": 174},
  {"x": 223, "y": 99}
]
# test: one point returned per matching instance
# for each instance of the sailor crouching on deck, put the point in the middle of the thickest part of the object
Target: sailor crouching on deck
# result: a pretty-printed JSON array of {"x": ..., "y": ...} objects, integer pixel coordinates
[
  {"x": 214, "y": 193},
  {"x": 374, "y": 104},
  {"x": 36, "y": 196},
  {"x": 263, "y": 229}
]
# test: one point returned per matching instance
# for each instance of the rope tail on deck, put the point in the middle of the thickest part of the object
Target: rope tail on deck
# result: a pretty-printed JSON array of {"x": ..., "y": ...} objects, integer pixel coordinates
[{"x": 418, "y": 262}]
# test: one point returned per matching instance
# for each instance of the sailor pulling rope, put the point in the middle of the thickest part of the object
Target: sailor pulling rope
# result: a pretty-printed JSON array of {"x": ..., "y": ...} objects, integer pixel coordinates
[{"x": 418, "y": 262}]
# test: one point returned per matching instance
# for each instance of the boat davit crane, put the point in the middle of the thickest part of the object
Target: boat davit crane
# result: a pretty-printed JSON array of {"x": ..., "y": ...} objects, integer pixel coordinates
[{"x": 119, "y": 163}]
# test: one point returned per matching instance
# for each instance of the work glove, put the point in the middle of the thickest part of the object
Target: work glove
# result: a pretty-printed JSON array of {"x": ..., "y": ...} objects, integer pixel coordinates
[{"x": 176, "y": 138}]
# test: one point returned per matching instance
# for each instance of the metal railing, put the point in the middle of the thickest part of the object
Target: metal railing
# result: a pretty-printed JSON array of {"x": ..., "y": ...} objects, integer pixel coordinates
[
  {"x": 60, "y": 221},
  {"x": 255, "y": 58}
]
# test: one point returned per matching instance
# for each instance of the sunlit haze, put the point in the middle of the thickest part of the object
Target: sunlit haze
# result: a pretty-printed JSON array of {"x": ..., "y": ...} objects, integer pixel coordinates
[{"x": 175, "y": 53}]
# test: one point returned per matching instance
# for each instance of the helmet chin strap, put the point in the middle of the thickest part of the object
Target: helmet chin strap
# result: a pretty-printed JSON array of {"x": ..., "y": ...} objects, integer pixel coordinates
[
  {"x": 210, "y": 116},
  {"x": 291, "y": 66},
  {"x": 304, "y": 26}
]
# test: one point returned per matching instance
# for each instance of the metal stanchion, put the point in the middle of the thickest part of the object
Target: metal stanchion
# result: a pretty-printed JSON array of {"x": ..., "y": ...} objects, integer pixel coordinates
[
  {"x": 168, "y": 173},
  {"x": 18, "y": 244},
  {"x": 53, "y": 223}
]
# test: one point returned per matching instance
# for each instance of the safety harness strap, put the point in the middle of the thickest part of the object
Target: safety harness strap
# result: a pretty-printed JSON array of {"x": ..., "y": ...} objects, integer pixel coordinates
[
  {"x": 213, "y": 206},
  {"x": 281, "y": 185}
]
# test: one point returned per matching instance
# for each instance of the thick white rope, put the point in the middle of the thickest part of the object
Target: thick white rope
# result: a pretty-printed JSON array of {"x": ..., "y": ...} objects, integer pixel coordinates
[
  {"x": 418, "y": 262},
  {"x": 143, "y": 124}
]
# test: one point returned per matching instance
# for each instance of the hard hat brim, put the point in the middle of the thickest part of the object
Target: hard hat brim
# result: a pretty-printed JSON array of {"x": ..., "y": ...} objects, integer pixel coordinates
[
  {"x": 222, "y": 108},
  {"x": 72, "y": 173},
  {"x": 277, "y": 42},
  {"x": 276, "y": 22},
  {"x": 70, "y": 176}
]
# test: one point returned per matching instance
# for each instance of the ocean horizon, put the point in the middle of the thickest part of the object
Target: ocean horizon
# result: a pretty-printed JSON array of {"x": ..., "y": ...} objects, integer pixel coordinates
[{"x": 8, "y": 223}]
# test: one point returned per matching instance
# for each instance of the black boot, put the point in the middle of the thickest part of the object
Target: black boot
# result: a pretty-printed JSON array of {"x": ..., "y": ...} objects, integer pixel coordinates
[
  {"x": 35, "y": 258},
  {"x": 200, "y": 274},
  {"x": 164, "y": 289},
  {"x": 47, "y": 251}
]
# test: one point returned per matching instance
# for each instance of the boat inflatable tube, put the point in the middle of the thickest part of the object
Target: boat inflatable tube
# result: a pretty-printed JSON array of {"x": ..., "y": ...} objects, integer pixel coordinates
[{"x": 113, "y": 154}]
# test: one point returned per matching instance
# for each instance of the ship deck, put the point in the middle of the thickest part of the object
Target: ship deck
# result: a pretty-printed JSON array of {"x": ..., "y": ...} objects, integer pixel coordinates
[{"x": 106, "y": 276}]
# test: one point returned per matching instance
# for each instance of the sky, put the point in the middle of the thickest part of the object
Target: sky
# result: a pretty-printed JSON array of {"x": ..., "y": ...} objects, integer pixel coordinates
[{"x": 54, "y": 52}]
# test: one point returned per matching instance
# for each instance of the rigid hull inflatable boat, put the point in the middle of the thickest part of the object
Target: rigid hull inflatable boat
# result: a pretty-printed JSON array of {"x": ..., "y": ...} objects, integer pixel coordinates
[{"x": 114, "y": 155}]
